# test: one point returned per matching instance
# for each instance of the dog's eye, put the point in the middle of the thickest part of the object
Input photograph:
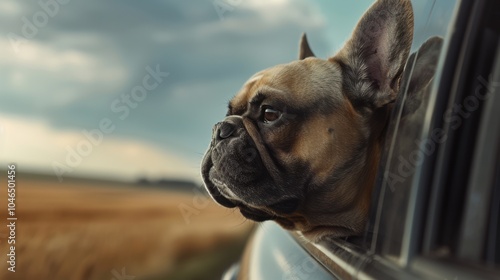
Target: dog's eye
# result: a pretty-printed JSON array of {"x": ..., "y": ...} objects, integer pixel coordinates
[{"x": 271, "y": 115}]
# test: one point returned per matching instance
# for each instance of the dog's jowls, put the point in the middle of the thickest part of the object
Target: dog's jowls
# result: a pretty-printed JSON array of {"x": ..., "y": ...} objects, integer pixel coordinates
[{"x": 301, "y": 142}]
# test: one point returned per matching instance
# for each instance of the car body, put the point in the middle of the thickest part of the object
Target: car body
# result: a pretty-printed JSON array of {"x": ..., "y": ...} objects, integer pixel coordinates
[{"x": 436, "y": 206}]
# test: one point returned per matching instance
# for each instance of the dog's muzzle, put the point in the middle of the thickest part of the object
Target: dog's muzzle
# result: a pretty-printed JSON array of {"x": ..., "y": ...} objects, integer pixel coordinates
[
  {"x": 228, "y": 150},
  {"x": 235, "y": 174}
]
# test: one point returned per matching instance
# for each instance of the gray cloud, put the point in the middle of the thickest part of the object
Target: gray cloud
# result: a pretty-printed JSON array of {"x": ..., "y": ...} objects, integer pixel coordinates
[{"x": 208, "y": 60}]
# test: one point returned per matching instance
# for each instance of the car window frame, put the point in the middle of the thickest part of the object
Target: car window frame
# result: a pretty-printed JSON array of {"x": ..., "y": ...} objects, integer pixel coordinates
[{"x": 480, "y": 187}]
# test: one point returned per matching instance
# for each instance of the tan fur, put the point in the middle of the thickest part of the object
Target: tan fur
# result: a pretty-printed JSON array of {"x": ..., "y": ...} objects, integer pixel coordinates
[
  {"x": 300, "y": 82},
  {"x": 324, "y": 141}
]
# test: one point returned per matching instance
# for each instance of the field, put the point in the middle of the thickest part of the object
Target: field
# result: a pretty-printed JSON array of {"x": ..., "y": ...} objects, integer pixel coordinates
[{"x": 83, "y": 230}]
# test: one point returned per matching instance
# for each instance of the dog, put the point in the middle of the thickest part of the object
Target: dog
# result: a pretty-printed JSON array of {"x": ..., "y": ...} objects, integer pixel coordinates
[{"x": 301, "y": 142}]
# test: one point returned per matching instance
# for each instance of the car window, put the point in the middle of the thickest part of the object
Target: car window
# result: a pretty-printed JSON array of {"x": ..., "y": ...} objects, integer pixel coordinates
[{"x": 409, "y": 142}]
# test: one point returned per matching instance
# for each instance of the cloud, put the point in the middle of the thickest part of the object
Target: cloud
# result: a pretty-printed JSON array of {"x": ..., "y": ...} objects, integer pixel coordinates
[
  {"x": 10, "y": 8},
  {"x": 71, "y": 65},
  {"x": 35, "y": 145},
  {"x": 92, "y": 52}
]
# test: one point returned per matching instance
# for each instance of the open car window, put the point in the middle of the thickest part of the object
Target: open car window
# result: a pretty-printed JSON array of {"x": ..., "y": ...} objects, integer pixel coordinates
[
  {"x": 410, "y": 142},
  {"x": 403, "y": 154}
]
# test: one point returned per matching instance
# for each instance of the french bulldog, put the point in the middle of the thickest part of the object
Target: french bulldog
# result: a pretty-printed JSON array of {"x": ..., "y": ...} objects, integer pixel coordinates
[{"x": 301, "y": 142}]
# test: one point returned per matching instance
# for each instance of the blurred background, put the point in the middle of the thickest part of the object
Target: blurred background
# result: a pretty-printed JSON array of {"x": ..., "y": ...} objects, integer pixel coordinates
[{"x": 106, "y": 108}]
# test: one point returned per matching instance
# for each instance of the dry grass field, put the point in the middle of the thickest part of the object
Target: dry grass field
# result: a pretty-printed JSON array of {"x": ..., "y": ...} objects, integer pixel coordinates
[{"x": 81, "y": 229}]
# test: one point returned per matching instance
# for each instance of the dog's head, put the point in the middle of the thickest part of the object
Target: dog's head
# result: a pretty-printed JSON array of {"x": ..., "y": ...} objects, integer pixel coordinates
[{"x": 300, "y": 143}]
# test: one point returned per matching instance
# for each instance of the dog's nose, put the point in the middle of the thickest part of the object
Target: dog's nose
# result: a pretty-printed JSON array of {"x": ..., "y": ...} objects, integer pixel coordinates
[
  {"x": 227, "y": 127},
  {"x": 225, "y": 130}
]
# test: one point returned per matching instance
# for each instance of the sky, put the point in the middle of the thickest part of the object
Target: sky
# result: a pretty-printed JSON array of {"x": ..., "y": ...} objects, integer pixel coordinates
[{"x": 126, "y": 89}]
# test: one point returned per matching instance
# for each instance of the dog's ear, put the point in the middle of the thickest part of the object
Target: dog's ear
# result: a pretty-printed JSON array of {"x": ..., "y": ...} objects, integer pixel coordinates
[
  {"x": 305, "y": 51},
  {"x": 419, "y": 73},
  {"x": 373, "y": 59},
  {"x": 422, "y": 65}
]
